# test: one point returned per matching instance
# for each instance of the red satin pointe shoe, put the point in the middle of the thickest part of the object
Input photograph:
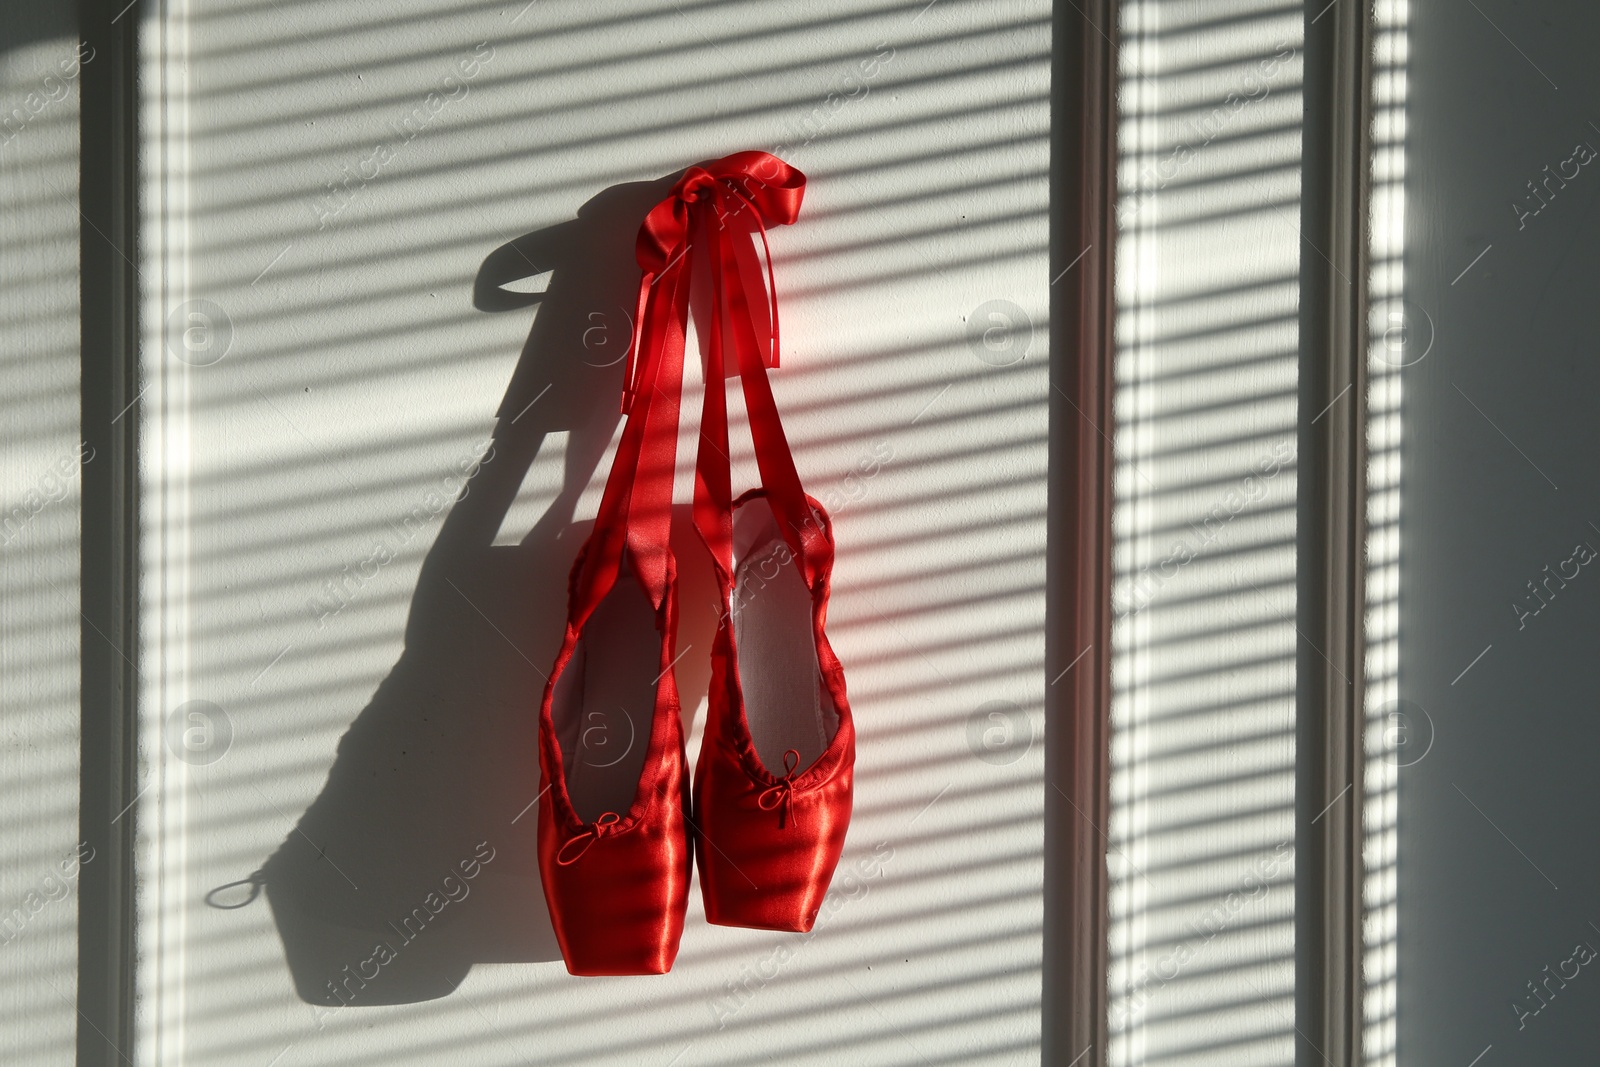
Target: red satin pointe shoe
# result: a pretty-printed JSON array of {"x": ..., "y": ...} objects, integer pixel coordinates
[
  {"x": 774, "y": 780},
  {"x": 775, "y": 777},
  {"x": 614, "y": 854},
  {"x": 616, "y": 880}
]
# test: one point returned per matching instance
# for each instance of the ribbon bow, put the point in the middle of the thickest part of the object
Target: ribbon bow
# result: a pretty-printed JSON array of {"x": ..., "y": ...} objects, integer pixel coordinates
[
  {"x": 783, "y": 791},
  {"x": 596, "y": 830},
  {"x": 741, "y": 194}
]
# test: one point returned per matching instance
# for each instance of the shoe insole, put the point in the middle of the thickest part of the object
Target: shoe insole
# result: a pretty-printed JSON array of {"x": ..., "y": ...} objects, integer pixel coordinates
[
  {"x": 605, "y": 701},
  {"x": 783, "y": 696}
]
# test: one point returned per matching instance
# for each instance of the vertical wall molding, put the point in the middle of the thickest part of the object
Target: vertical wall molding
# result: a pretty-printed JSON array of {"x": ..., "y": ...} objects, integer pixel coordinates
[
  {"x": 1078, "y": 644},
  {"x": 108, "y": 253},
  {"x": 1331, "y": 516}
]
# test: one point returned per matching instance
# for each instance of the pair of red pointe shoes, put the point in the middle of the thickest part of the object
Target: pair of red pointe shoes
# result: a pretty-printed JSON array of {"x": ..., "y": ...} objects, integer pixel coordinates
[{"x": 771, "y": 797}]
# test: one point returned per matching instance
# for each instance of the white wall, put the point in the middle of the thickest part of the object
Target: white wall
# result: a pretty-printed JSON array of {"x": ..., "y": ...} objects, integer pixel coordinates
[
  {"x": 367, "y": 750},
  {"x": 39, "y": 494},
  {"x": 1202, "y": 836}
]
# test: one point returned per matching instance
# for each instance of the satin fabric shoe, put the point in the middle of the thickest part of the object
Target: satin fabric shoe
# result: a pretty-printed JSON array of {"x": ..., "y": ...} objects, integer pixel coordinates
[
  {"x": 614, "y": 852},
  {"x": 775, "y": 776},
  {"x": 614, "y": 855}
]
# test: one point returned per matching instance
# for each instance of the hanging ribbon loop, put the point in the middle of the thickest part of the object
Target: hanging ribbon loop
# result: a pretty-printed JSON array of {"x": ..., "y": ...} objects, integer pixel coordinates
[{"x": 725, "y": 203}]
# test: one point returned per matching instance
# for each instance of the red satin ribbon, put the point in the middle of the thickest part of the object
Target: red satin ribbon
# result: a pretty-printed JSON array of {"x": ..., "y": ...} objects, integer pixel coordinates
[
  {"x": 745, "y": 192},
  {"x": 723, "y": 204}
]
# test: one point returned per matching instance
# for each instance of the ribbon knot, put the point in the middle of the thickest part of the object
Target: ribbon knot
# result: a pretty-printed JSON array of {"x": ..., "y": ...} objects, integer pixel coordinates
[
  {"x": 691, "y": 188},
  {"x": 595, "y": 831},
  {"x": 757, "y": 180},
  {"x": 782, "y": 792}
]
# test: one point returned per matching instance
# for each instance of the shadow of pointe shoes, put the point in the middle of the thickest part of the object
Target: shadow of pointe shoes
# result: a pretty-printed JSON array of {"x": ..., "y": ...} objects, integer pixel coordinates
[{"x": 417, "y": 859}]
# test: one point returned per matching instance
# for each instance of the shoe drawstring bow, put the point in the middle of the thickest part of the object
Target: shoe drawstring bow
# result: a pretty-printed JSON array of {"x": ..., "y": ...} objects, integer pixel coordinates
[
  {"x": 781, "y": 794},
  {"x": 596, "y": 830}
]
